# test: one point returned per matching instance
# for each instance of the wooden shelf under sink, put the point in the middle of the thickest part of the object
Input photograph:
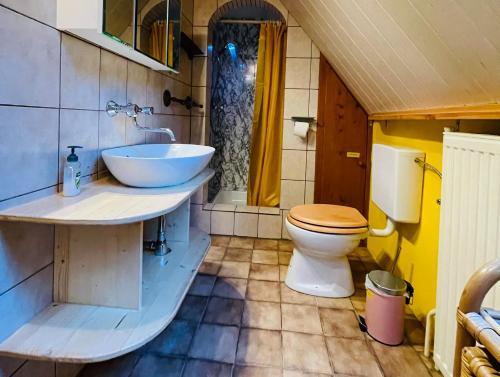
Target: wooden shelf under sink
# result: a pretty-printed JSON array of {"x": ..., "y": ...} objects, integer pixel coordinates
[{"x": 88, "y": 333}]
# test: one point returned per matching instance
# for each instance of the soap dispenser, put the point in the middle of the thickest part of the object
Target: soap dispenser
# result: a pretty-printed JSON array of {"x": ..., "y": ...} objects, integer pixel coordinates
[{"x": 72, "y": 173}]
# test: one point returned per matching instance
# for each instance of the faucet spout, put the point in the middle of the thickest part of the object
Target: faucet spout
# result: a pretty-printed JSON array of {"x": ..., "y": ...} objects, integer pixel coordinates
[{"x": 170, "y": 133}]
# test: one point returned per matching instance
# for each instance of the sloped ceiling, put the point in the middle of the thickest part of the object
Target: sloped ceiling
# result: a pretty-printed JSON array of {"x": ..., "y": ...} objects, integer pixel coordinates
[{"x": 398, "y": 55}]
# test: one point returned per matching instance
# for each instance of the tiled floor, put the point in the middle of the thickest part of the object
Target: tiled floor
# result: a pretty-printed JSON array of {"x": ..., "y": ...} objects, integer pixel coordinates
[{"x": 239, "y": 319}]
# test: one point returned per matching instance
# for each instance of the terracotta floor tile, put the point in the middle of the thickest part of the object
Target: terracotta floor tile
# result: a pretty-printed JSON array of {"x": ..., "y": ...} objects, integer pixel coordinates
[
  {"x": 241, "y": 242},
  {"x": 202, "y": 285},
  {"x": 285, "y": 245},
  {"x": 334, "y": 303},
  {"x": 305, "y": 352},
  {"x": 242, "y": 371},
  {"x": 174, "y": 340},
  {"x": 209, "y": 268},
  {"x": 284, "y": 258},
  {"x": 266, "y": 244},
  {"x": 260, "y": 290},
  {"x": 293, "y": 297},
  {"x": 401, "y": 360},
  {"x": 214, "y": 342},
  {"x": 265, "y": 256},
  {"x": 340, "y": 323},
  {"x": 259, "y": 347},
  {"x": 238, "y": 255},
  {"x": 352, "y": 356},
  {"x": 192, "y": 308},
  {"x": 197, "y": 368},
  {"x": 152, "y": 365},
  {"x": 300, "y": 318},
  {"x": 234, "y": 269},
  {"x": 224, "y": 311},
  {"x": 220, "y": 240},
  {"x": 230, "y": 288},
  {"x": 262, "y": 315},
  {"x": 215, "y": 254},
  {"x": 264, "y": 272}
]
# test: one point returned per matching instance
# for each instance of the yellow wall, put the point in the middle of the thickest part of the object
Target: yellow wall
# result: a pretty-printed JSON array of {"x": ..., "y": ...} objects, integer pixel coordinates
[{"x": 418, "y": 259}]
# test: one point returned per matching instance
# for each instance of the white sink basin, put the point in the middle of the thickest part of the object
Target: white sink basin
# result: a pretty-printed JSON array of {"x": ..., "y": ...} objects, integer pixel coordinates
[{"x": 157, "y": 165}]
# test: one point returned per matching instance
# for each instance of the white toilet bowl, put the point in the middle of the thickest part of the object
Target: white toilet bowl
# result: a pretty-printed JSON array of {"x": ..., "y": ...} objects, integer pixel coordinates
[{"x": 322, "y": 240}]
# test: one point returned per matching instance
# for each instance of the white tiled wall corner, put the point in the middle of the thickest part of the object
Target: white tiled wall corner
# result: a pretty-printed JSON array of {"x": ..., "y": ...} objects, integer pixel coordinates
[
  {"x": 298, "y": 73},
  {"x": 315, "y": 53},
  {"x": 222, "y": 223},
  {"x": 309, "y": 195},
  {"x": 293, "y": 164},
  {"x": 292, "y": 193},
  {"x": 299, "y": 44},
  {"x": 269, "y": 226},
  {"x": 284, "y": 231},
  {"x": 314, "y": 74},
  {"x": 313, "y": 103},
  {"x": 199, "y": 76},
  {"x": 245, "y": 224},
  {"x": 311, "y": 165}
]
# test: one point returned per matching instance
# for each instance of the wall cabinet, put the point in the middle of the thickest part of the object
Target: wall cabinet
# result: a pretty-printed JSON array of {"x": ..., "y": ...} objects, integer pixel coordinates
[{"x": 145, "y": 31}]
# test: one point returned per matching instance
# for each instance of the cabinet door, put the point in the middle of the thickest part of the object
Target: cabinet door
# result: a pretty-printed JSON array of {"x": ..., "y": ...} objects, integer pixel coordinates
[{"x": 118, "y": 20}]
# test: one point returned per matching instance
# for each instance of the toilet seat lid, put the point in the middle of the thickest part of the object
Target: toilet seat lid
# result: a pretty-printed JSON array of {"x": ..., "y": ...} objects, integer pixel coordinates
[{"x": 329, "y": 215}]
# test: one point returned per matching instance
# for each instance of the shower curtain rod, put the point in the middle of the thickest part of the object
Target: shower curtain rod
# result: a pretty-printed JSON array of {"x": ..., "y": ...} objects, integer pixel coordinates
[{"x": 230, "y": 21}]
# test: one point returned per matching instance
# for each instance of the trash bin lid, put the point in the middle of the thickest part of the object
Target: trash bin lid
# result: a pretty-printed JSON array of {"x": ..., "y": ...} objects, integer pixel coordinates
[{"x": 387, "y": 282}]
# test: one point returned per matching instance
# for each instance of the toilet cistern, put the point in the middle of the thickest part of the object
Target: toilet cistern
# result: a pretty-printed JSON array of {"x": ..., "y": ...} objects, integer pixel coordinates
[{"x": 132, "y": 110}]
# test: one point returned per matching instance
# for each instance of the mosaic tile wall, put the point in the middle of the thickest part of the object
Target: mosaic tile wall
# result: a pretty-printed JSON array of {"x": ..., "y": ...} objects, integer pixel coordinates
[{"x": 234, "y": 58}]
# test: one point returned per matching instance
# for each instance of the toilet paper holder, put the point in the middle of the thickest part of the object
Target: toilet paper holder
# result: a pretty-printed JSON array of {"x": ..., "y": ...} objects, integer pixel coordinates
[{"x": 302, "y": 125}]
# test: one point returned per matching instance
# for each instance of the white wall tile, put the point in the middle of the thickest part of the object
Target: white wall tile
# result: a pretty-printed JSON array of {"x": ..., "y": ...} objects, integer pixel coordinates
[
  {"x": 199, "y": 77},
  {"x": 269, "y": 226},
  {"x": 200, "y": 37},
  {"x": 133, "y": 135},
  {"x": 313, "y": 103},
  {"x": 290, "y": 140},
  {"x": 42, "y": 10},
  {"x": 222, "y": 223},
  {"x": 298, "y": 73},
  {"x": 203, "y": 11},
  {"x": 32, "y": 295},
  {"x": 113, "y": 79},
  {"x": 29, "y": 151},
  {"x": 34, "y": 45},
  {"x": 137, "y": 84},
  {"x": 309, "y": 198},
  {"x": 311, "y": 139},
  {"x": 35, "y": 368},
  {"x": 298, "y": 43},
  {"x": 154, "y": 92},
  {"x": 296, "y": 103},
  {"x": 24, "y": 249},
  {"x": 112, "y": 134},
  {"x": 245, "y": 224},
  {"x": 79, "y": 127},
  {"x": 310, "y": 165},
  {"x": 314, "y": 74},
  {"x": 284, "y": 231},
  {"x": 293, "y": 164},
  {"x": 80, "y": 64},
  {"x": 292, "y": 193}
]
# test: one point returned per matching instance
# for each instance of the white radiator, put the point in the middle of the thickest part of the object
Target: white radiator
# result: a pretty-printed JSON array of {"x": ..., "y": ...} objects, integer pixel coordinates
[{"x": 469, "y": 231}]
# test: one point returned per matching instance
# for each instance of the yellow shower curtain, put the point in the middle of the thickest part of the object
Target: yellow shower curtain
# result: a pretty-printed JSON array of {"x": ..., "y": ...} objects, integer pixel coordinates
[
  {"x": 265, "y": 153},
  {"x": 157, "y": 41}
]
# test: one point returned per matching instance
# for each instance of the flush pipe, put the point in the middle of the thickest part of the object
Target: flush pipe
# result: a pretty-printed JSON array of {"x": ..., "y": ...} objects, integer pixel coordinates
[
  {"x": 390, "y": 227},
  {"x": 429, "y": 332}
]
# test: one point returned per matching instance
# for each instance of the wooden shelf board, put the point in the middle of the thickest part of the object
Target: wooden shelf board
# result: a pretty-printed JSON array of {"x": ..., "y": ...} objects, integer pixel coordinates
[
  {"x": 489, "y": 111},
  {"x": 84, "y": 333},
  {"x": 106, "y": 202}
]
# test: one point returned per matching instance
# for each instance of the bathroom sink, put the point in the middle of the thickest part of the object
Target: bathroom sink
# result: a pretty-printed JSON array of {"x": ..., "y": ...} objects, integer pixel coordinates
[{"x": 157, "y": 165}]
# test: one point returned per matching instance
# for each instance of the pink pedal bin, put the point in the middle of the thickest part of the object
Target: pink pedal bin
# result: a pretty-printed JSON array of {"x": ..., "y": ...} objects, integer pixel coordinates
[{"x": 386, "y": 296}]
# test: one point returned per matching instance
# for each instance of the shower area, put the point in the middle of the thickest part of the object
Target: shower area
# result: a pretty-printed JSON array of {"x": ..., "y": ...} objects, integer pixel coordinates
[{"x": 232, "y": 53}]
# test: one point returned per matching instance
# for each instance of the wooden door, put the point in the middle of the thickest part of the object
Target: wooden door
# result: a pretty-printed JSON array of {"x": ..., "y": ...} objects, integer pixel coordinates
[{"x": 343, "y": 145}]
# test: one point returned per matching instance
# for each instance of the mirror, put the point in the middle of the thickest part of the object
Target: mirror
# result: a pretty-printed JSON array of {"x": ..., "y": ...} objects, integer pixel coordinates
[
  {"x": 154, "y": 33},
  {"x": 118, "y": 20}
]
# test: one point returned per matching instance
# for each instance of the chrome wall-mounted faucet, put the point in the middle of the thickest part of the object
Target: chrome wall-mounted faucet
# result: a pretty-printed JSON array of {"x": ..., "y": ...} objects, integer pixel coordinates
[{"x": 132, "y": 110}]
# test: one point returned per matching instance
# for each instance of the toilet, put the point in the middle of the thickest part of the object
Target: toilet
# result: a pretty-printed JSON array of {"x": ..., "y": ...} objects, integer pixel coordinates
[{"x": 323, "y": 235}]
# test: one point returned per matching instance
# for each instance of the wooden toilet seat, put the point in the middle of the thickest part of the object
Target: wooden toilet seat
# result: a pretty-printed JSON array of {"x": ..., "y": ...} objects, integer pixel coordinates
[{"x": 328, "y": 218}]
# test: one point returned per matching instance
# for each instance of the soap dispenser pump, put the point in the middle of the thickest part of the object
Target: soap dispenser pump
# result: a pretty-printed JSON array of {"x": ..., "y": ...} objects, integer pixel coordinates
[{"x": 72, "y": 173}]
